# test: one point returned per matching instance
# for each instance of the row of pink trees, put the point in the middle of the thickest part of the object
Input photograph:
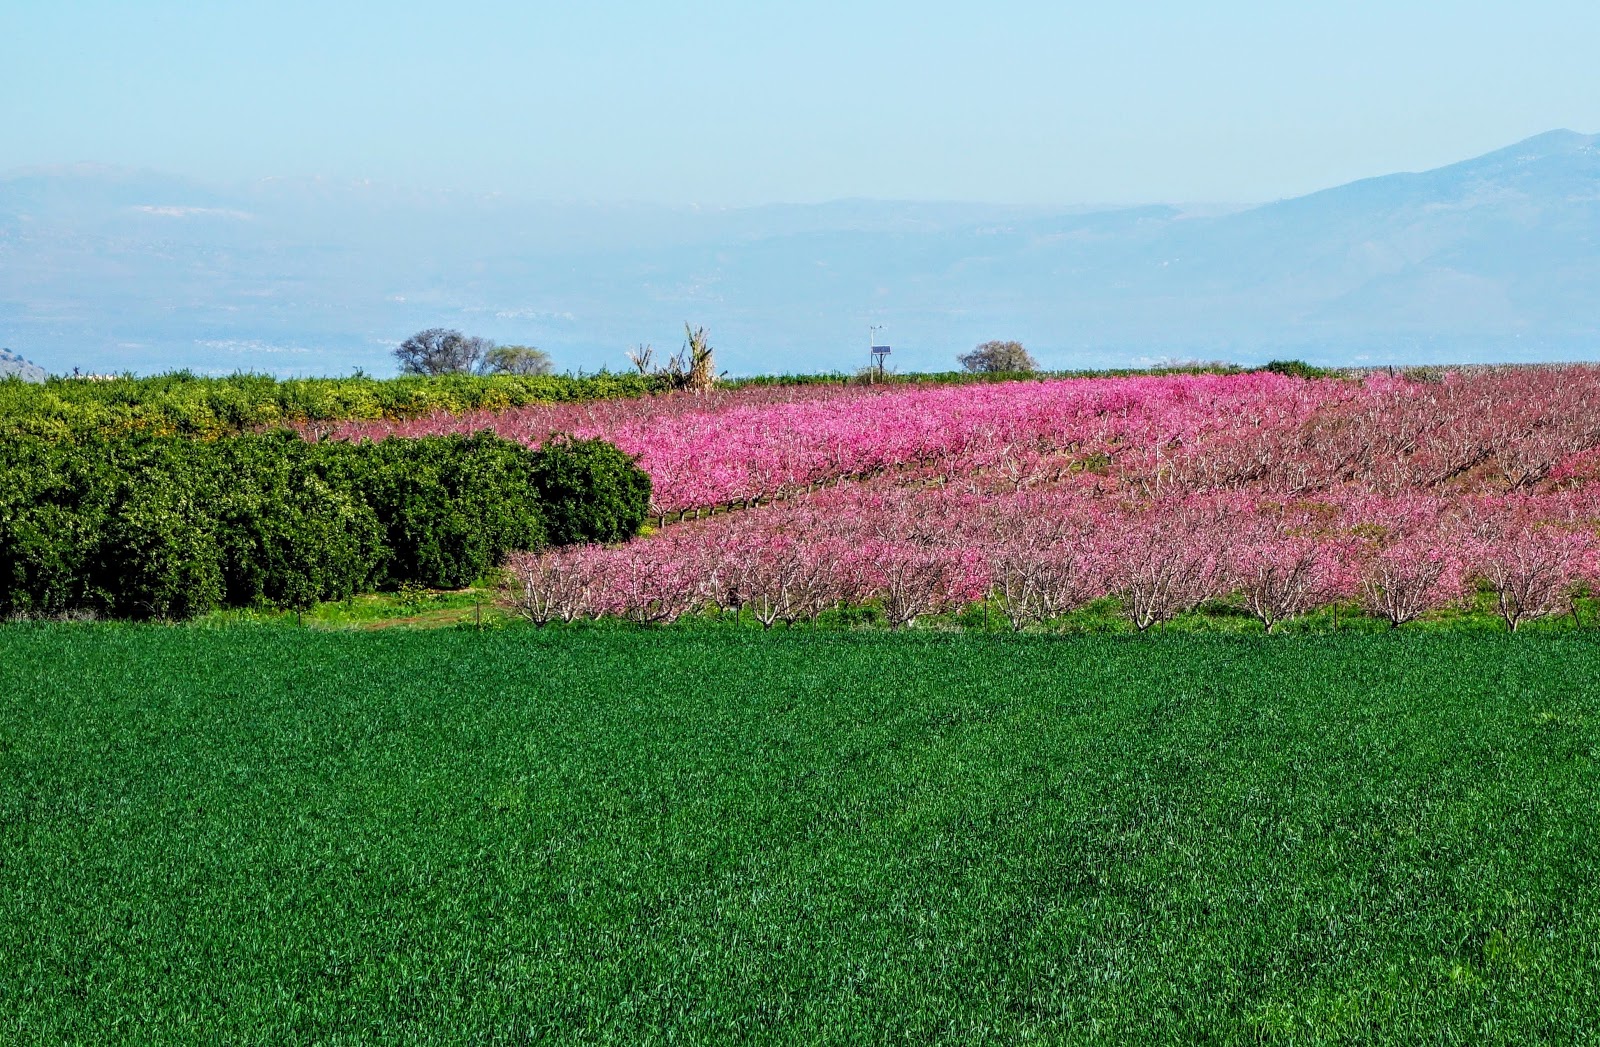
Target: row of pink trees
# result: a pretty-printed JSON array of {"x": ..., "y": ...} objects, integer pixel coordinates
[
  {"x": 1041, "y": 555},
  {"x": 773, "y": 585},
  {"x": 1286, "y": 495},
  {"x": 1153, "y": 437}
]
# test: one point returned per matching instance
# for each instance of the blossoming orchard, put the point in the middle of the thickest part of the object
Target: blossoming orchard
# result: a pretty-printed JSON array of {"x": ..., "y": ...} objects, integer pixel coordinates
[{"x": 1402, "y": 494}]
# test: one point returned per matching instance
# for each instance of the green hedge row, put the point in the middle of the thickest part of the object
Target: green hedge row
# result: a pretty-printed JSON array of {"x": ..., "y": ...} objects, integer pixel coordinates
[
  {"x": 189, "y": 405},
  {"x": 978, "y": 377},
  {"x": 158, "y": 527}
]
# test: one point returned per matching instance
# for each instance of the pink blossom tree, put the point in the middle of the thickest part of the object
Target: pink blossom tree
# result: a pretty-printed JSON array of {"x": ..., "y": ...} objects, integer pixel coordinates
[
  {"x": 1404, "y": 580},
  {"x": 1165, "y": 562},
  {"x": 913, "y": 580},
  {"x": 545, "y": 589},
  {"x": 1533, "y": 567}
]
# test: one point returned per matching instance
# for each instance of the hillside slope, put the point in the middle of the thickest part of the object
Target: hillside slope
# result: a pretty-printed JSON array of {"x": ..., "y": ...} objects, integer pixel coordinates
[
  {"x": 14, "y": 366},
  {"x": 1494, "y": 258}
]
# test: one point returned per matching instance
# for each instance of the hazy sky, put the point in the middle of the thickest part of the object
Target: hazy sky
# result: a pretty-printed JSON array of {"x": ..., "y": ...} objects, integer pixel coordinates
[{"x": 749, "y": 102}]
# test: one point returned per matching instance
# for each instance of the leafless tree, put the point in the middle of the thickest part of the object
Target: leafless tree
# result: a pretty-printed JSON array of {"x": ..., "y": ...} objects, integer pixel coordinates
[
  {"x": 440, "y": 350},
  {"x": 997, "y": 358}
]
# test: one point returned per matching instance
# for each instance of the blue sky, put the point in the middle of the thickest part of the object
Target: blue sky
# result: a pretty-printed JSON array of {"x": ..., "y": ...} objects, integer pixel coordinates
[{"x": 741, "y": 103}]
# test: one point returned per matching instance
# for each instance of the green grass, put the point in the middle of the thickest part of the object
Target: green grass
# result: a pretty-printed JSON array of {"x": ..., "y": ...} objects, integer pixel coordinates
[
  {"x": 415, "y": 609},
  {"x": 478, "y": 607},
  {"x": 279, "y": 835}
]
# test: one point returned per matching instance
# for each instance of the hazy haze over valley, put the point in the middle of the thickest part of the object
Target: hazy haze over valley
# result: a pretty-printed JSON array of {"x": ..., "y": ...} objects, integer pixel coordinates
[{"x": 1493, "y": 259}]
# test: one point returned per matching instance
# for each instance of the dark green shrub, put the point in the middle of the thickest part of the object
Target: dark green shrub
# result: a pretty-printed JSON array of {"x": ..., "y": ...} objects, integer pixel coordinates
[
  {"x": 158, "y": 554},
  {"x": 452, "y": 506},
  {"x": 165, "y": 527},
  {"x": 159, "y": 558},
  {"x": 592, "y": 491},
  {"x": 1297, "y": 369},
  {"x": 292, "y": 536},
  {"x": 54, "y": 500}
]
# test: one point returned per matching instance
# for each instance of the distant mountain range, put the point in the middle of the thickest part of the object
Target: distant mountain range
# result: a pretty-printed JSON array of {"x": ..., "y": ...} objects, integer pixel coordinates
[
  {"x": 1496, "y": 258},
  {"x": 14, "y": 366}
]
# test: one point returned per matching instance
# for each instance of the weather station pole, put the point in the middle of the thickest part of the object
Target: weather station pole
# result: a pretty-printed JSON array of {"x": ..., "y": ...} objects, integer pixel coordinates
[{"x": 877, "y": 354}]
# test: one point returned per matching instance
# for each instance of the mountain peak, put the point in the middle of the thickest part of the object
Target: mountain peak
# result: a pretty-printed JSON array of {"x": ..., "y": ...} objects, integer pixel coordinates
[
  {"x": 1561, "y": 140},
  {"x": 1490, "y": 258},
  {"x": 1550, "y": 145},
  {"x": 12, "y": 365}
]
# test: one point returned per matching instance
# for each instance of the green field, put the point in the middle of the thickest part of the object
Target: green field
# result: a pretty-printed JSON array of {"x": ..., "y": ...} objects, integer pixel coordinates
[{"x": 271, "y": 835}]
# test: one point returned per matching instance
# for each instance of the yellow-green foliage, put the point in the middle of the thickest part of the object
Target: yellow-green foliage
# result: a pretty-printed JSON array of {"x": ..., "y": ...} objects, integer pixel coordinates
[{"x": 185, "y": 404}]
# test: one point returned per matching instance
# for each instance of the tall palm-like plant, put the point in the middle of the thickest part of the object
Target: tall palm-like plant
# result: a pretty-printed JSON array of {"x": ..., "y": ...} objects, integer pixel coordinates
[{"x": 702, "y": 374}]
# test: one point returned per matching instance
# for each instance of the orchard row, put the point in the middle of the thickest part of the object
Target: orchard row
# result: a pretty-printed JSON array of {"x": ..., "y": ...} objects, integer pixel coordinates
[
  {"x": 1494, "y": 431},
  {"x": 1039, "y": 555}
]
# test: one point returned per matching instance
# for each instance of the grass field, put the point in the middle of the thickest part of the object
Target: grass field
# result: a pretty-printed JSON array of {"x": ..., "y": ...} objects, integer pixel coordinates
[
  {"x": 480, "y": 606},
  {"x": 272, "y": 835}
]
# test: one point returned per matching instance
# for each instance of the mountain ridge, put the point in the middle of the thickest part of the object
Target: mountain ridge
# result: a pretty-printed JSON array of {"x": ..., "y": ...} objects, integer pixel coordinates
[
  {"x": 14, "y": 366},
  {"x": 1494, "y": 257}
]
